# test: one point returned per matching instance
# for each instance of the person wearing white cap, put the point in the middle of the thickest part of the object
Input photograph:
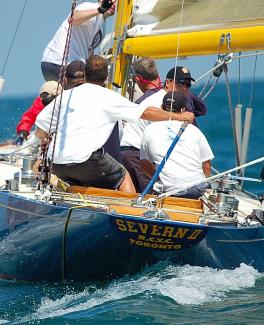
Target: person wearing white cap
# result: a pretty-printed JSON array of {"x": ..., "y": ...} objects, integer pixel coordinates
[
  {"x": 48, "y": 91},
  {"x": 88, "y": 23}
]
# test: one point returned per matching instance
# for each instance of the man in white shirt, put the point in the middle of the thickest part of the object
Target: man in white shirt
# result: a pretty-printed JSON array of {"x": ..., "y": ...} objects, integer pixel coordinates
[
  {"x": 87, "y": 33},
  {"x": 189, "y": 161},
  {"x": 133, "y": 131},
  {"x": 87, "y": 117}
]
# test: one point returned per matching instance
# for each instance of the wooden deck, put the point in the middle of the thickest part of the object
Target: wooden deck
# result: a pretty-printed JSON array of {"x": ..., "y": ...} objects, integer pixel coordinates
[{"x": 178, "y": 209}]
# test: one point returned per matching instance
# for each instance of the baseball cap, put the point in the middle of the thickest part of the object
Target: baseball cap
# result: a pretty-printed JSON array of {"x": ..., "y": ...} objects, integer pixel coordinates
[
  {"x": 174, "y": 101},
  {"x": 75, "y": 70},
  {"x": 49, "y": 89},
  {"x": 181, "y": 73}
]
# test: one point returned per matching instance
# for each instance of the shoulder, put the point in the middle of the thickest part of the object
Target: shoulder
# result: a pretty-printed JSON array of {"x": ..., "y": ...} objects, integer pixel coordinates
[
  {"x": 196, "y": 133},
  {"x": 155, "y": 99},
  {"x": 156, "y": 128}
]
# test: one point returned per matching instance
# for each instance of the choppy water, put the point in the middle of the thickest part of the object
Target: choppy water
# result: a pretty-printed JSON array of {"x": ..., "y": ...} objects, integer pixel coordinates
[{"x": 161, "y": 294}]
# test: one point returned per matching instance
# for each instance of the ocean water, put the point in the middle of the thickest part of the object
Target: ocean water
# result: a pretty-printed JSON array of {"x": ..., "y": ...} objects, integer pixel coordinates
[{"x": 163, "y": 293}]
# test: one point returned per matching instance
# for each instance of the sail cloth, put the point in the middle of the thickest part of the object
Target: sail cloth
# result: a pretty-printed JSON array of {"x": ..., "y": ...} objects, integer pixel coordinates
[
  {"x": 163, "y": 16},
  {"x": 156, "y": 31}
]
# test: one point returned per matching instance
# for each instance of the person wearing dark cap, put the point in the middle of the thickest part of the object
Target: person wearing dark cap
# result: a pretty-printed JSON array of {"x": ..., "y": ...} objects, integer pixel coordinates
[
  {"x": 88, "y": 114},
  {"x": 180, "y": 78},
  {"x": 189, "y": 161},
  {"x": 74, "y": 74},
  {"x": 133, "y": 132},
  {"x": 47, "y": 93}
]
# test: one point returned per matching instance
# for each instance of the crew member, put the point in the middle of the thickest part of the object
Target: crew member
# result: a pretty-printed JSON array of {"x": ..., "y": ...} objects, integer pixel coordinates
[
  {"x": 88, "y": 114},
  {"x": 190, "y": 159}
]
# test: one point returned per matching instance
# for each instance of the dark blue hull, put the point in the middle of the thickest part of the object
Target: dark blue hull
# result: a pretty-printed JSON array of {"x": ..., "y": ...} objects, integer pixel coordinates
[{"x": 43, "y": 242}]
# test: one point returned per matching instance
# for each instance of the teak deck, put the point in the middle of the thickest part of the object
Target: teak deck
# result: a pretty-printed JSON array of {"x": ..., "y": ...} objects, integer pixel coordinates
[{"x": 178, "y": 209}]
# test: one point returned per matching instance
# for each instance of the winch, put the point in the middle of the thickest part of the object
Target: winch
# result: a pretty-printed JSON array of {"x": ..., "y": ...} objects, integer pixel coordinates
[
  {"x": 26, "y": 175},
  {"x": 222, "y": 199}
]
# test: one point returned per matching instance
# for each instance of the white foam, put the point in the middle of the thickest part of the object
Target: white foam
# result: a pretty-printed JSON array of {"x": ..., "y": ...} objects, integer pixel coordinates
[
  {"x": 197, "y": 285},
  {"x": 186, "y": 285}
]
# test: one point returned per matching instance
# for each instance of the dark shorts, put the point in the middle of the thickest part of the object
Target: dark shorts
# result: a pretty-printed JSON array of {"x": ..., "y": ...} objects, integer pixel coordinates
[
  {"x": 131, "y": 161},
  {"x": 100, "y": 170}
]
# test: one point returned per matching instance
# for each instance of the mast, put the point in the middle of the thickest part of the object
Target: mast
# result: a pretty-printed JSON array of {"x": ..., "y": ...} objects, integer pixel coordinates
[{"x": 120, "y": 60}]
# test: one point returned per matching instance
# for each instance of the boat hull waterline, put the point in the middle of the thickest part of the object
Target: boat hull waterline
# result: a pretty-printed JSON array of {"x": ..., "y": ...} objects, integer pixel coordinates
[{"x": 46, "y": 242}]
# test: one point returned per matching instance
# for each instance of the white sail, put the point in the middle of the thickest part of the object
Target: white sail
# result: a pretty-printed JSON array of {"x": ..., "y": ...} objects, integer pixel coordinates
[{"x": 162, "y": 16}]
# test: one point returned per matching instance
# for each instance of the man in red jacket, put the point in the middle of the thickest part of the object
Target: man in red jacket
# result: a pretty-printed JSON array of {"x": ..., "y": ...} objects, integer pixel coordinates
[{"x": 48, "y": 92}]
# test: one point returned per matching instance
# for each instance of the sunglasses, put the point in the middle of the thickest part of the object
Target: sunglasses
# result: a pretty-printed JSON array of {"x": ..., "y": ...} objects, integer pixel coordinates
[{"x": 184, "y": 83}]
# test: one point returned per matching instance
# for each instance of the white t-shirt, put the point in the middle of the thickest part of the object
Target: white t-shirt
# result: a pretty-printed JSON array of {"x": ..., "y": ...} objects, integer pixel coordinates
[
  {"x": 81, "y": 38},
  {"x": 133, "y": 131},
  {"x": 87, "y": 117},
  {"x": 185, "y": 161}
]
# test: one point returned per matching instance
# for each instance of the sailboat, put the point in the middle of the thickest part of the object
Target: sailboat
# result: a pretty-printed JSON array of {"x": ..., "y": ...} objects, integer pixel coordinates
[{"x": 82, "y": 234}]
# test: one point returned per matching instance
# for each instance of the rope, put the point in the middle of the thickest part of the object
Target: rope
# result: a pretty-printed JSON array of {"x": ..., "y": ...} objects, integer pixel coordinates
[
  {"x": 177, "y": 54},
  {"x": 61, "y": 81},
  {"x": 63, "y": 244},
  {"x": 232, "y": 116},
  {"x": 221, "y": 42},
  {"x": 14, "y": 36},
  {"x": 211, "y": 88},
  {"x": 184, "y": 125}
]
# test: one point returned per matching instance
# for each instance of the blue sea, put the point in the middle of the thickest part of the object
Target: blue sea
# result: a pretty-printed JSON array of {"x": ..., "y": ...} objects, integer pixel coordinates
[{"x": 163, "y": 293}]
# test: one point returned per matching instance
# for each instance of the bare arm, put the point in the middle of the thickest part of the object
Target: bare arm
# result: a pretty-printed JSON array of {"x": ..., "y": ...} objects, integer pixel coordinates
[
  {"x": 80, "y": 16},
  {"x": 207, "y": 168},
  {"x": 156, "y": 114}
]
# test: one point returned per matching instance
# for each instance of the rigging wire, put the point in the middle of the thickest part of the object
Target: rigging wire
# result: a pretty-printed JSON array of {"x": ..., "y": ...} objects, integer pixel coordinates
[
  {"x": 177, "y": 52},
  {"x": 218, "y": 66},
  {"x": 253, "y": 81},
  {"x": 14, "y": 36},
  {"x": 178, "y": 135},
  {"x": 61, "y": 82},
  {"x": 239, "y": 80},
  {"x": 232, "y": 116}
]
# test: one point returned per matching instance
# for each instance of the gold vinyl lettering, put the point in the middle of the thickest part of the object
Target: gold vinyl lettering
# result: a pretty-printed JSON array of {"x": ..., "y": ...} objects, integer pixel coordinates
[
  {"x": 121, "y": 225},
  {"x": 131, "y": 226},
  {"x": 143, "y": 227},
  {"x": 167, "y": 232},
  {"x": 155, "y": 230},
  {"x": 154, "y": 245},
  {"x": 177, "y": 246},
  {"x": 195, "y": 234},
  {"x": 157, "y": 236},
  {"x": 180, "y": 233}
]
